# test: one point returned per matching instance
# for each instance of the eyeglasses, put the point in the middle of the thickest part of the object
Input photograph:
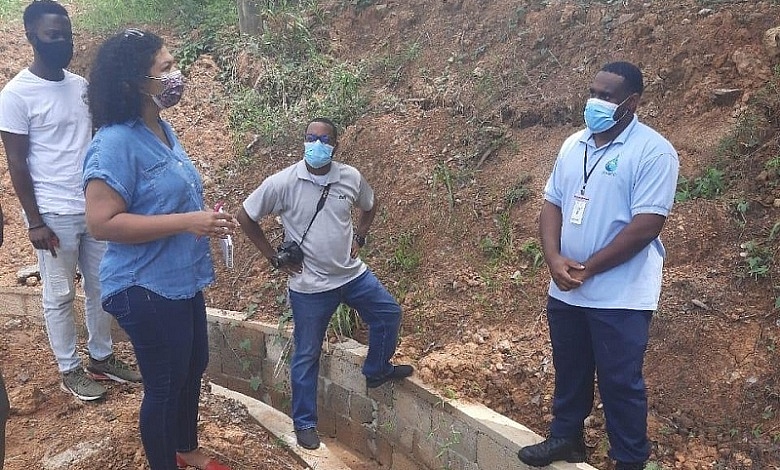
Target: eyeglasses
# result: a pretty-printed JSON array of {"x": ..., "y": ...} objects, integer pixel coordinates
[
  {"x": 324, "y": 138},
  {"x": 132, "y": 32}
]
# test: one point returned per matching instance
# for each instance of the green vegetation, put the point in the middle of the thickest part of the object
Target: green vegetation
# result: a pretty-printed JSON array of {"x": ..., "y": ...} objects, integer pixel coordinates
[
  {"x": 391, "y": 66},
  {"x": 106, "y": 16},
  {"x": 749, "y": 132},
  {"x": 757, "y": 259},
  {"x": 532, "y": 251},
  {"x": 501, "y": 248},
  {"x": 407, "y": 256},
  {"x": 278, "y": 78},
  {"x": 344, "y": 322},
  {"x": 741, "y": 208},
  {"x": 12, "y": 9},
  {"x": 708, "y": 186},
  {"x": 519, "y": 192},
  {"x": 444, "y": 176}
]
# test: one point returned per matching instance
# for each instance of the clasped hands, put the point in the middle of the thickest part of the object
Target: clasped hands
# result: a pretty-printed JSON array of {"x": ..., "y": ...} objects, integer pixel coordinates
[{"x": 567, "y": 273}]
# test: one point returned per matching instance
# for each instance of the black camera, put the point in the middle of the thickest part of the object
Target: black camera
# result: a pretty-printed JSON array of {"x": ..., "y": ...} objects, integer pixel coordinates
[{"x": 288, "y": 252}]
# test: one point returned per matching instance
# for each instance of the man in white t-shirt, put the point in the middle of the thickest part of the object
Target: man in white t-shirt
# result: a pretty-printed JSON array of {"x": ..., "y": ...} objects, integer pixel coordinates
[{"x": 46, "y": 128}]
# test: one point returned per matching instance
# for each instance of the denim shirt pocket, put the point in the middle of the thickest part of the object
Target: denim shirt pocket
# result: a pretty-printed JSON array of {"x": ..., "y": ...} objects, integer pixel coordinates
[{"x": 170, "y": 187}]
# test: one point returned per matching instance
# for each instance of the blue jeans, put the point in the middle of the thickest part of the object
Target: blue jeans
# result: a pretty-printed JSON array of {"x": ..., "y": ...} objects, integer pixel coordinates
[
  {"x": 58, "y": 275},
  {"x": 311, "y": 315},
  {"x": 610, "y": 343},
  {"x": 171, "y": 345}
]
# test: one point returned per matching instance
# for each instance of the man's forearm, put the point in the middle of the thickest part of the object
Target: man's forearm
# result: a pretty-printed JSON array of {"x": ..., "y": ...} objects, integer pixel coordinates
[
  {"x": 550, "y": 219},
  {"x": 365, "y": 220},
  {"x": 23, "y": 185},
  {"x": 643, "y": 229},
  {"x": 255, "y": 233}
]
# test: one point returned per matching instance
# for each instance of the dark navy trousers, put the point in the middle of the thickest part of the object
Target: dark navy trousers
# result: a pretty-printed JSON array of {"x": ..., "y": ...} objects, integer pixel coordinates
[
  {"x": 170, "y": 339},
  {"x": 609, "y": 344}
]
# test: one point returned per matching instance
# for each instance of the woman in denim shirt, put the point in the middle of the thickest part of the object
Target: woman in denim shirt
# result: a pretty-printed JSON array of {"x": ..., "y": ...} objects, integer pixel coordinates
[{"x": 145, "y": 197}]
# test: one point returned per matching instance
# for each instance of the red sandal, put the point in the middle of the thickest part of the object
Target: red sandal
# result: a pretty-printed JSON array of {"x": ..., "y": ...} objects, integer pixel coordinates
[{"x": 212, "y": 465}]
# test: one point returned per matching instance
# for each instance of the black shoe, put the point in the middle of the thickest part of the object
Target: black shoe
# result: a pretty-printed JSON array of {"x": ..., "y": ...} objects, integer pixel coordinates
[
  {"x": 570, "y": 449},
  {"x": 399, "y": 372},
  {"x": 629, "y": 466},
  {"x": 308, "y": 438}
]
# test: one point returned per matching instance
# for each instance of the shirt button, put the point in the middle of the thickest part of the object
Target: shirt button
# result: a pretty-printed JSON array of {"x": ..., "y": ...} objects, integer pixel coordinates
[
  {"x": 181, "y": 164},
  {"x": 192, "y": 184}
]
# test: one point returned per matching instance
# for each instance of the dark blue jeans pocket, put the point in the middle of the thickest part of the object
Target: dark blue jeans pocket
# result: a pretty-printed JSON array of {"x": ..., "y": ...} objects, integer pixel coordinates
[{"x": 118, "y": 305}]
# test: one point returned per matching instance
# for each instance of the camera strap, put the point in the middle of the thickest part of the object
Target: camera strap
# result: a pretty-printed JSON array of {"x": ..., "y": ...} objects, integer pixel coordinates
[{"x": 320, "y": 204}]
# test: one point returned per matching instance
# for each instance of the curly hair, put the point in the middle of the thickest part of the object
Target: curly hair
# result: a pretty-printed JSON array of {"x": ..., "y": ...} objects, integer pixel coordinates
[
  {"x": 38, "y": 8},
  {"x": 120, "y": 68},
  {"x": 630, "y": 73}
]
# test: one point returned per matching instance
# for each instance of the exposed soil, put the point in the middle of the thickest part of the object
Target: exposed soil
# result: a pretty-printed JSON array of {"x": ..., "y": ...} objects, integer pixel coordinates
[{"x": 481, "y": 107}]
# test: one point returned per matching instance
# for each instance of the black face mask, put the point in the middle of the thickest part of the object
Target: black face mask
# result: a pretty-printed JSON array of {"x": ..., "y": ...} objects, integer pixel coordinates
[{"x": 56, "y": 55}]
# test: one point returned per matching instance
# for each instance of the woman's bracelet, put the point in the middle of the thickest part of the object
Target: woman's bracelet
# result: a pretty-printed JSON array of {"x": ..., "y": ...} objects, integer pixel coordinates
[{"x": 36, "y": 226}]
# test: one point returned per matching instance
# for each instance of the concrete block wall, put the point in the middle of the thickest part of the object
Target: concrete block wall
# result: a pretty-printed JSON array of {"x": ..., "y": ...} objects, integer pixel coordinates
[{"x": 403, "y": 426}]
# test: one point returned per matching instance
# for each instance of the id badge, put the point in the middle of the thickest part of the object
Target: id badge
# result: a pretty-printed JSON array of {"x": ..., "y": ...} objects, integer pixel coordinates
[{"x": 578, "y": 212}]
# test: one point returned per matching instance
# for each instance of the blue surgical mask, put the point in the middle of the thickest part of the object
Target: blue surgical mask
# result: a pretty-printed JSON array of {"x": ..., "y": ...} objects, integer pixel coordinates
[
  {"x": 317, "y": 154},
  {"x": 600, "y": 115}
]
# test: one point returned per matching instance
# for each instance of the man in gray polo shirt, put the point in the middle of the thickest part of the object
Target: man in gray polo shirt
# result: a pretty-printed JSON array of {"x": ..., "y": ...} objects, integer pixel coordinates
[{"x": 314, "y": 198}]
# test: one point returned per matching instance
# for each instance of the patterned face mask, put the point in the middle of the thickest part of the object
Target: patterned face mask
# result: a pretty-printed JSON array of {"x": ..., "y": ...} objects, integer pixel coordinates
[{"x": 173, "y": 88}]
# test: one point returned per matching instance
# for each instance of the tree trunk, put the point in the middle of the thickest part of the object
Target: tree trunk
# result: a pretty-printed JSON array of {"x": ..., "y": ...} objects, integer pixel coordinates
[{"x": 248, "y": 19}]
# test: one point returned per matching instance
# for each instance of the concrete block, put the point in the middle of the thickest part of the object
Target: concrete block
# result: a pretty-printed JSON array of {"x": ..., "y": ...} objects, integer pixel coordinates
[
  {"x": 22, "y": 301},
  {"x": 345, "y": 369},
  {"x": 383, "y": 395},
  {"x": 495, "y": 456},
  {"x": 498, "y": 427},
  {"x": 336, "y": 398},
  {"x": 412, "y": 412},
  {"x": 244, "y": 340},
  {"x": 381, "y": 449},
  {"x": 453, "y": 461},
  {"x": 14, "y": 306},
  {"x": 403, "y": 461},
  {"x": 453, "y": 434},
  {"x": 354, "y": 435},
  {"x": 277, "y": 347},
  {"x": 362, "y": 409},
  {"x": 428, "y": 452},
  {"x": 276, "y": 375},
  {"x": 279, "y": 400},
  {"x": 326, "y": 421}
]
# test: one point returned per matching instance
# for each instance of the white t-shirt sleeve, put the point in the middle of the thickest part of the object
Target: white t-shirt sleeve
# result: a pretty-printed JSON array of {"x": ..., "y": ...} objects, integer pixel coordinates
[{"x": 13, "y": 114}]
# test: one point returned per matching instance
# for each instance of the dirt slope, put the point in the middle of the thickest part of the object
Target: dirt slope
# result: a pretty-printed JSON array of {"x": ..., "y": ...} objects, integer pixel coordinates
[{"x": 472, "y": 100}]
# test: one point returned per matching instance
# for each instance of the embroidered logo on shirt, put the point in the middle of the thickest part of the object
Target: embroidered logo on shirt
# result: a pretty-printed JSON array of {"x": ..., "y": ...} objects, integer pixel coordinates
[{"x": 611, "y": 166}]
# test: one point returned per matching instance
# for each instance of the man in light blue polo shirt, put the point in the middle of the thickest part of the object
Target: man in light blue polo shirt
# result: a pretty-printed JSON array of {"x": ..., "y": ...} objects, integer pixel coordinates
[
  {"x": 605, "y": 204},
  {"x": 314, "y": 198}
]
